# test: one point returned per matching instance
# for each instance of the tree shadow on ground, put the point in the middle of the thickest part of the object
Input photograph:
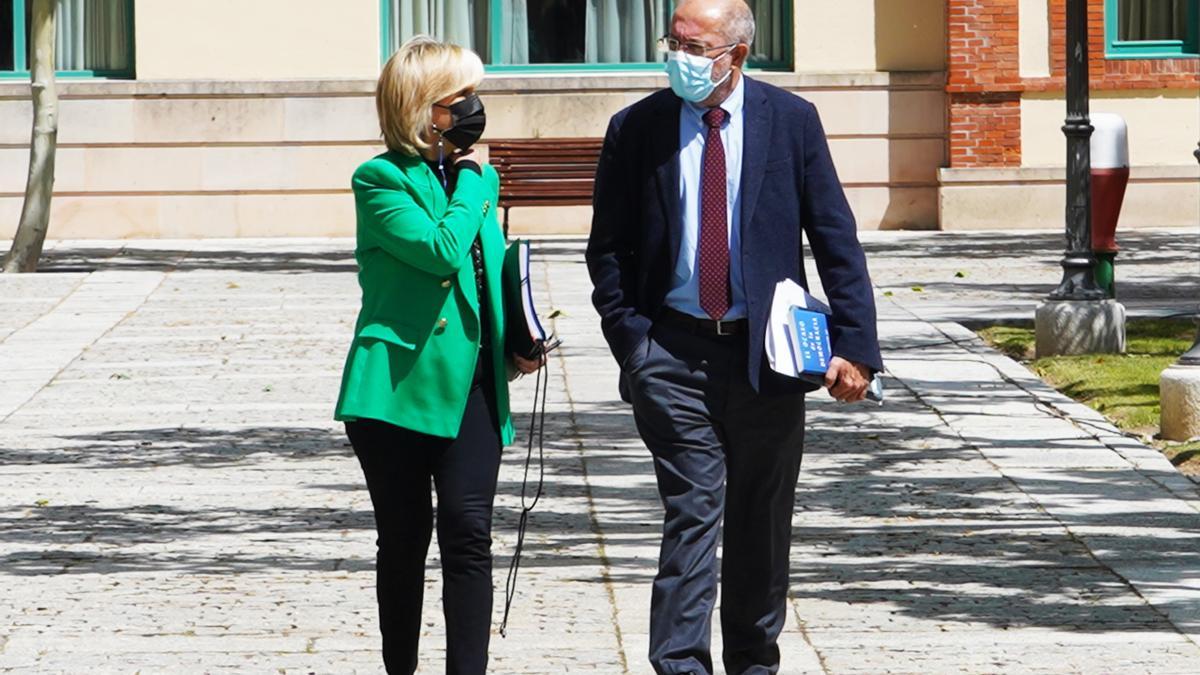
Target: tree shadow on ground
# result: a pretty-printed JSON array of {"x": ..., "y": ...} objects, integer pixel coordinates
[
  {"x": 907, "y": 518},
  {"x": 1171, "y": 291},
  {"x": 134, "y": 259},
  {"x": 199, "y": 447},
  {"x": 1138, "y": 247}
]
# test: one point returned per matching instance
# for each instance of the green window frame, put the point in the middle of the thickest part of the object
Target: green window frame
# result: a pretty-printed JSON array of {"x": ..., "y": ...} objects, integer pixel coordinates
[
  {"x": 494, "y": 46},
  {"x": 20, "y": 59},
  {"x": 1115, "y": 48}
]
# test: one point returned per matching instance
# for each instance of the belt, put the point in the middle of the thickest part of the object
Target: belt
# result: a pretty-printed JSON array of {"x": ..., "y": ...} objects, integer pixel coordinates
[{"x": 700, "y": 326}]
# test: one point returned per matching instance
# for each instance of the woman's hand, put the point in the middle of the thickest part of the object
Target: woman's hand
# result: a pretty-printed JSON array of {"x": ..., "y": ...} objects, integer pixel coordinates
[
  {"x": 477, "y": 154},
  {"x": 527, "y": 366}
]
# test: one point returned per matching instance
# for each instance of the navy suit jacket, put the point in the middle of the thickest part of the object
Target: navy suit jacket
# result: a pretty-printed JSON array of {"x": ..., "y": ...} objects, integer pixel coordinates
[{"x": 788, "y": 183}]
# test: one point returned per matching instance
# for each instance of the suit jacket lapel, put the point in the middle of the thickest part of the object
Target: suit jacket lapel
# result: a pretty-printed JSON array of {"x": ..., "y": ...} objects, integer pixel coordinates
[
  {"x": 427, "y": 186},
  {"x": 429, "y": 193},
  {"x": 666, "y": 158},
  {"x": 755, "y": 147},
  {"x": 494, "y": 251}
]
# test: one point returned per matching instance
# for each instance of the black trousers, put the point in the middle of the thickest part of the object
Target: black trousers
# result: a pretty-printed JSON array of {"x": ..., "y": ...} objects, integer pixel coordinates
[
  {"x": 720, "y": 450},
  {"x": 399, "y": 465}
]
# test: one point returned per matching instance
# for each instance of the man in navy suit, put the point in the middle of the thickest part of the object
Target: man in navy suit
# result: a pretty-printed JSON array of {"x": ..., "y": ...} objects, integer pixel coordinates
[{"x": 701, "y": 194}]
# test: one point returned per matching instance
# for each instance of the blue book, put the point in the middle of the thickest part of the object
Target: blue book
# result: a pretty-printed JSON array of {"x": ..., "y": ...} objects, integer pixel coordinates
[{"x": 809, "y": 339}]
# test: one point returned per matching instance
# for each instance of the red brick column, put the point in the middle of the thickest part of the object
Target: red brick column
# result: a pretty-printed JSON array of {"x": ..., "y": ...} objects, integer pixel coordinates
[
  {"x": 985, "y": 130},
  {"x": 984, "y": 83}
]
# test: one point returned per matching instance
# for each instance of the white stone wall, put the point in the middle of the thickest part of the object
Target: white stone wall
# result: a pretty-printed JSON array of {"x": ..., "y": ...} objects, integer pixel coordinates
[
  {"x": 256, "y": 39},
  {"x": 1164, "y": 126},
  {"x": 274, "y": 158},
  {"x": 1036, "y": 198}
]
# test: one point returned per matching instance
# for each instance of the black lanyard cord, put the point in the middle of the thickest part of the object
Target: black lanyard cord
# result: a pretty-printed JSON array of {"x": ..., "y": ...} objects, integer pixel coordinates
[{"x": 537, "y": 430}]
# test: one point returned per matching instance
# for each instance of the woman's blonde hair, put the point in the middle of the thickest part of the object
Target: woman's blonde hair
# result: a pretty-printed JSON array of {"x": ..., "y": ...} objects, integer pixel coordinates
[{"x": 422, "y": 72}]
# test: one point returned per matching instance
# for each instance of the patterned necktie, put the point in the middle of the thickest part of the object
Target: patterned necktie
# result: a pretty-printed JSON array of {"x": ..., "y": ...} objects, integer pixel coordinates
[{"x": 714, "y": 228}]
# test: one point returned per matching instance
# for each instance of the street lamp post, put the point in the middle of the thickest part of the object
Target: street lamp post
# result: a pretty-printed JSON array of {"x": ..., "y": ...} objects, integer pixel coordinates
[
  {"x": 1179, "y": 390},
  {"x": 1192, "y": 356},
  {"x": 1077, "y": 317},
  {"x": 1079, "y": 262}
]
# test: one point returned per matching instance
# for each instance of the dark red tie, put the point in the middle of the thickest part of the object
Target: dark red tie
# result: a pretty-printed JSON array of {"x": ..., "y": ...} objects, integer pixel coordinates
[{"x": 714, "y": 228}]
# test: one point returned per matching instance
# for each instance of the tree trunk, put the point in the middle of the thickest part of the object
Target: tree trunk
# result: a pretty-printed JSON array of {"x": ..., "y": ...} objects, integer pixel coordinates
[{"x": 35, "y": 213}]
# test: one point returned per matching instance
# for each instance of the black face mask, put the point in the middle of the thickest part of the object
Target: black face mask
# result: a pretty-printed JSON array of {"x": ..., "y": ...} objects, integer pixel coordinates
[{"x": 467, "y": 122}]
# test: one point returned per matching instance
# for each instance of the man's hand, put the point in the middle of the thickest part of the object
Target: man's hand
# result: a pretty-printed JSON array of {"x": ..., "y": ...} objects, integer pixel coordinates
[
  {"x": 527, "y": 366},
  {"x": 847, "y": 381}
]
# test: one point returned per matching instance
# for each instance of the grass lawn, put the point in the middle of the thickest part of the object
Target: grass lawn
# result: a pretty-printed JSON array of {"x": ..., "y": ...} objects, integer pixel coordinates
[{"x": 1123, "y": 387}]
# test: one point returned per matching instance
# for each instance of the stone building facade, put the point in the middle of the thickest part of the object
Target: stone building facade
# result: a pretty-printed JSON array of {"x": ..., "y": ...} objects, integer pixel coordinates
[{"x": 232, "y": 118}]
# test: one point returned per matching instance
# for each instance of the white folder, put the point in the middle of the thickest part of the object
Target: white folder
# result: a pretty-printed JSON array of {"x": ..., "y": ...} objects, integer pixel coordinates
[{"x": 788, "y": 294}]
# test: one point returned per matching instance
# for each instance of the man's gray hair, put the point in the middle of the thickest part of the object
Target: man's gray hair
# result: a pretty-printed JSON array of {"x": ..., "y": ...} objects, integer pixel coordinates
[{"x": 741, "y": 23}]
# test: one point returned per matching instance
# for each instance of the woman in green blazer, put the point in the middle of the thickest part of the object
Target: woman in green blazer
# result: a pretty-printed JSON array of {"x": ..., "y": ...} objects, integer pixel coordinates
[{"x": 424, "y": 391}]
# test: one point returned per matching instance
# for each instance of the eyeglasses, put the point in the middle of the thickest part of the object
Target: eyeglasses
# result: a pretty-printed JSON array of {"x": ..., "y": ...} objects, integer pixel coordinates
[{"x": 667, "y": 43}]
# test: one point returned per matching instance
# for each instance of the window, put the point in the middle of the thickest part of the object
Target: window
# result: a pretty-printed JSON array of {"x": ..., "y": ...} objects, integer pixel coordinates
[
  {"x": 93, "y": 38},
  {"x": 568, "y": 34},
  {"x": 1140, "y": 29}
]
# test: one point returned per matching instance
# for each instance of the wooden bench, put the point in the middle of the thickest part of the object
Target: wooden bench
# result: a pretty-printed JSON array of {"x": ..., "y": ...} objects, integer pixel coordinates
[{"x": 545, "y": 171}]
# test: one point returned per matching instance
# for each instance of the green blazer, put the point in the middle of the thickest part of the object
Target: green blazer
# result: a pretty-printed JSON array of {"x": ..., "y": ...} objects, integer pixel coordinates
[{"x": 417, "y": 337}]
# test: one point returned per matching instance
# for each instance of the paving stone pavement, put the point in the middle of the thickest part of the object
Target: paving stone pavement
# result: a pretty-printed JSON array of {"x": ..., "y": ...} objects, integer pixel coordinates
[{"x": 174, "y": 497}]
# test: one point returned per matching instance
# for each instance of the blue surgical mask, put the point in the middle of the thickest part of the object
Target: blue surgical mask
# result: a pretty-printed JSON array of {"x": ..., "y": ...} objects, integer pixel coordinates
[{"x": 691, "y": 76}]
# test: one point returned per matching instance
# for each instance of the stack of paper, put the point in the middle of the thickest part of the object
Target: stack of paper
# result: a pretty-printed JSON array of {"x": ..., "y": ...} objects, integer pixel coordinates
[
  {"x": 524, "y": 334},
  {"x": 797, "y": 339}
]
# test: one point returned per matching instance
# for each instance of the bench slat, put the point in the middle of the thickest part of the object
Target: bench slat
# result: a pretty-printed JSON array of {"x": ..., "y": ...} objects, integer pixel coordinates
[
  {"x": 551, "y": 201},
  {"x": 546, "y": 142},
  {"x": 514, "y": 147},
  {"x": 586, "y": 173},
  {"x": 540, "y": 181},
  {"x": 548, "y": 159},
  {"x": 554, "y": 192},
  {"x": 509, "y": 191},
  {"x": 551, "y": 149}
]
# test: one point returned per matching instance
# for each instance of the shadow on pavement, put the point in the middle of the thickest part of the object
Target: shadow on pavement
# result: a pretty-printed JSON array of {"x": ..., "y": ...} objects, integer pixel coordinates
[
  {"x": 196, "y": 447},
  {"x": 1138, "y": 247},
  {"x": 884, "y": 518},
  {"x": 132, "y": 259}
]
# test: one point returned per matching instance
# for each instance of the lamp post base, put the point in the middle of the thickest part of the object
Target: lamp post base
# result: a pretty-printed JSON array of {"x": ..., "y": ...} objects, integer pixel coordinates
[
  {"x": 1070, "y": 327},
  {"x": 1179, "y": 390}
]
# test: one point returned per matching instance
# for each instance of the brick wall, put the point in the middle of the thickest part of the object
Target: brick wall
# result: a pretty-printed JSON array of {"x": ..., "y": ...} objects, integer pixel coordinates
[
  {"x": 984, "y": 84},
  {"x": 985, "y": 129},
  {"x": 1105, "y": 74}
]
